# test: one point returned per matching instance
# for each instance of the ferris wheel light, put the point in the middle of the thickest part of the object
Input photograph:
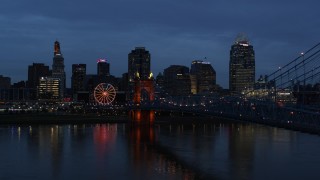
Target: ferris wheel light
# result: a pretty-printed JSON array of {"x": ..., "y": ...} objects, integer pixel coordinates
[{"x": 104, "y": 94}]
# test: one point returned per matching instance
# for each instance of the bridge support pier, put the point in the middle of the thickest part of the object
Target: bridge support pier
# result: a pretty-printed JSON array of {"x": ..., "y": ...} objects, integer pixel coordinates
[{"x": 139, "y": 116}]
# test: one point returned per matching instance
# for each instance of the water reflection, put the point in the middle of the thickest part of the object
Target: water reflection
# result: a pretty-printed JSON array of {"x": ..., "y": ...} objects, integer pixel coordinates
[
  {"x": 148, "y": 158},
  {"x": 241, "y": 151},
  {"x": 104, "y": 138},
  {"x": 45, "y": 142},
  {"x": 142, "y": 116},
  {"x": 216, "y": 150}
]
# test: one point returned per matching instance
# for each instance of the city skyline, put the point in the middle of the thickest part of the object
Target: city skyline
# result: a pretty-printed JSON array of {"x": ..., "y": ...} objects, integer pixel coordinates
[{"x": 187, "y": 31}]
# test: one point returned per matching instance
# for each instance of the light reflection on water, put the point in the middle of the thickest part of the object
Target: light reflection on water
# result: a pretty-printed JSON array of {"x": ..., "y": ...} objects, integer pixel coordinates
[{"x": 163, "y": 151}]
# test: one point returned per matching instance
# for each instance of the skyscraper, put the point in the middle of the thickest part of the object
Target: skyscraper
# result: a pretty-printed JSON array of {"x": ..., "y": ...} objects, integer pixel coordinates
[
  {"x": 58, "y": 67},
  {"x": 103, "y": 68},
  {"x": 139, "y": 64},
  {"x": 203, "y": 77},
  {"x": 35, "y": 71},
  {"x": 177, "y": 80},
  {"x": 241, "y": 65},
  {"x": 78, "y": 77}
]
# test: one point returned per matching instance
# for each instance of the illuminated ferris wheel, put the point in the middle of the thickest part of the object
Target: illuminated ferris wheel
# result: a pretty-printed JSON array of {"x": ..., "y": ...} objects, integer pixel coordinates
[{"x": 104, "y": 93}]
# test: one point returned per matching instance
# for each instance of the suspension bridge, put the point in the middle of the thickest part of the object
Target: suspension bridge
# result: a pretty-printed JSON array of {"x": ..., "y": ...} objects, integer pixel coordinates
[{"x": 289, "y": 98}]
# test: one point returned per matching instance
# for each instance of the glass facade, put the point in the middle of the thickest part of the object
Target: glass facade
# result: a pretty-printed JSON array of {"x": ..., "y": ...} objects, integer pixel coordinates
[
  {"x": 49, "y": 88},
  {"x": 241, "y": 66},
  {"x": 203, "y": 77}
]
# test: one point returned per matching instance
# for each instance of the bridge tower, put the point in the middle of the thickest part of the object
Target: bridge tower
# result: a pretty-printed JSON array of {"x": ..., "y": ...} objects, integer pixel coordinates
[
  {"x": 143, "y": 91},
  {"x": 143, "y": 97}
]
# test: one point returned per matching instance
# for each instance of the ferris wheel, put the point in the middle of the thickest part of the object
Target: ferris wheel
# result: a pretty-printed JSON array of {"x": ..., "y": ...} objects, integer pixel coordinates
[{"x": 104, "y": 93}]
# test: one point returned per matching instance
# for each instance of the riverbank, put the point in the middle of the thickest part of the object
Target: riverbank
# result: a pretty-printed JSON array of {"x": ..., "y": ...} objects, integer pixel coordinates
[
  {"x": 289, "y": 125},
  {"x": 50, "y": 118},
  {"x": 47, "y": 118}
]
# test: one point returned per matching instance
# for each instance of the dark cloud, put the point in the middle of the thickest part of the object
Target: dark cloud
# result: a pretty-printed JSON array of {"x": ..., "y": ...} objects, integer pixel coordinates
[{"x": 175, "y": 32}]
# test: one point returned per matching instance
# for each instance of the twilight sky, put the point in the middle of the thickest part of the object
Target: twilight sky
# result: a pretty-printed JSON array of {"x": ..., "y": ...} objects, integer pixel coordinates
[{"x": 174, "y": 31}]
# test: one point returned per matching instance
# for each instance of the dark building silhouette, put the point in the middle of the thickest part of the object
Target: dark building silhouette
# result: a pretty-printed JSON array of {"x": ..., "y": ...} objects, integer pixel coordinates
[
  {"x": 19, "y": 85},
  {"x": 177, "y": 80},
  {"x": 5, "y": 82},
  {"x": 35, "y": 71},
  {"x": 78, "y": 77},
  {"x": 203, "y": 77},
  {"x": 241, "y": 65},
  {"x": 139, "y": 64},
  {"x": 58, "y": 67},
  {"x": 15, "y": 92},
  {"x": 123, "y": 86},
  {"x": 160, "y": 80},
  {"x": 103, "y": 68}
]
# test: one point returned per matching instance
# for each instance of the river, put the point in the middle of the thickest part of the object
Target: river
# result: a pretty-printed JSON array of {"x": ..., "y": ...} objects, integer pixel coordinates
[{"x": 211, "y": 150}]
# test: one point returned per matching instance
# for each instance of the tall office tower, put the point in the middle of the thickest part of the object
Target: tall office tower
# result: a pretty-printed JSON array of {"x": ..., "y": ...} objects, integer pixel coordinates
[
  {"x": 103, "y": 68},
  {"x": 58, "y": 67},
  {"x": 177, "y": 80},
  {"x": 203, "y": 77},
  {"x": 139, "y": 64},
  {"x": 35, "y": 71},
  {"x": 78, "y": 77},
  {"x": 49, "y": 88},
  {"x": 241, "y": 65}
]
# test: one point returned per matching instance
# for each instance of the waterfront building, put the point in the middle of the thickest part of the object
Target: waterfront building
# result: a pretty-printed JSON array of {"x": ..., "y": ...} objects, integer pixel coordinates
[
  {"x": 49, "y": 88},
  {"x": 139, "y": 64},
  {"x": 177, "y": 80},
  {"x": 103, "y": 68},
  {"x": 241, "y": 65},
  {"x": 77, "y": 79},
  {"x": 58, "y": 67},
  {"x": 203, "y": 77}
]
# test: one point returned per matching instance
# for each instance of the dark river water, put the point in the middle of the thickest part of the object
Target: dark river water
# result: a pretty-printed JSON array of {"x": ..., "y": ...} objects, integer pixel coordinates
[{"x": 212, "y": 150}]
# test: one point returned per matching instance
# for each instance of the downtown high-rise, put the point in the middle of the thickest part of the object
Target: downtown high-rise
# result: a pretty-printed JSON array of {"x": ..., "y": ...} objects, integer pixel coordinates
[
  {"x": 103, "y": 67},
  {"x": 35, "y": 72},
  {"x": 241, "y": 65},
  {"x": 202, "y": 76},
  {"x": 58, "y": 68},
  {"x": 78, "y": 77},
  {"x": 177, "y": 80},
  {"x": 139, "y": 64}
]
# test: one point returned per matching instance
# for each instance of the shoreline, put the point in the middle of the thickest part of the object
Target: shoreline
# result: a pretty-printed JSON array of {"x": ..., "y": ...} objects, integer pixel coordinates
[
  {"x": 61, "y": 119},
  {"x": 26, "y": 119}
]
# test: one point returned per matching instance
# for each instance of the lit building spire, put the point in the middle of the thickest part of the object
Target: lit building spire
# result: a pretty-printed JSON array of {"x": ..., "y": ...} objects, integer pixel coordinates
[
  {"x": 57, "y": 48},
  {"x": 58, "y": 68}
]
